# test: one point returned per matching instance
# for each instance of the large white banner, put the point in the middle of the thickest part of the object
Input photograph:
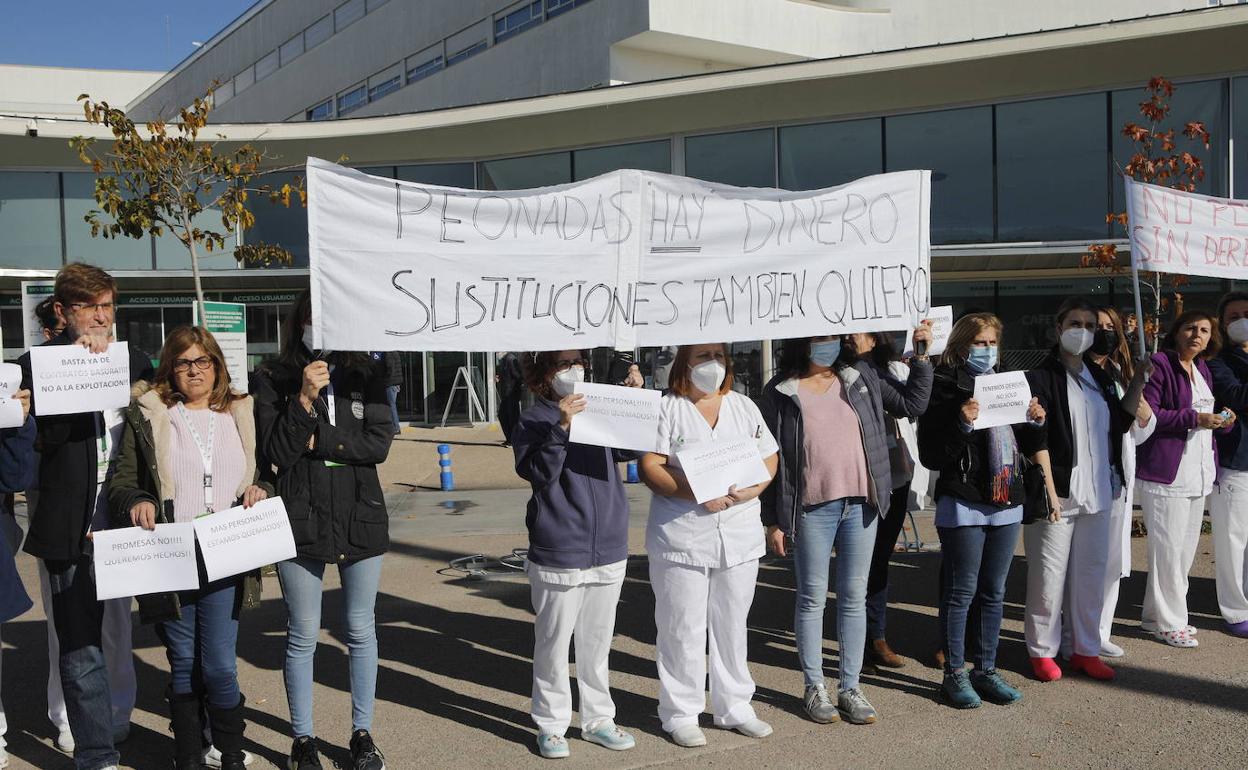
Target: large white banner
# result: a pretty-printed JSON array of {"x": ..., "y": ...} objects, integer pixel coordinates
[
  {"x": 630, "y": 258},
  {"x": 1179, "y": 232}
]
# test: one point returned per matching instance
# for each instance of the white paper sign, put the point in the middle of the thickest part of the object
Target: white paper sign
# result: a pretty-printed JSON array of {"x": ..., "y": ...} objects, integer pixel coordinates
[
  {"x": 714, "y": 467},
  {"x": 1003, "y": 399},
  {"x": 627, "y": 259},
  {"x": 941, "y": 317},
  {"x": 69, "y": 379},
  {"x": 10, "y": 408},
  {"x": 135, "y": 561},
  {"x": 242, "y": 539},
  {"x": 1173, "y": 231},
  {"x": 617, "y": 416}
]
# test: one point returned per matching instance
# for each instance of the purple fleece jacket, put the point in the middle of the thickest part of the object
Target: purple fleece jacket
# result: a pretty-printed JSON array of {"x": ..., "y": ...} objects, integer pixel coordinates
[{"x": 1169, "y": 392}]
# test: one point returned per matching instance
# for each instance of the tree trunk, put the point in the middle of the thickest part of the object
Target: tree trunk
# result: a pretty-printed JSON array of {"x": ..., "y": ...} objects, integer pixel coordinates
[{"x": 199, "y": 286}]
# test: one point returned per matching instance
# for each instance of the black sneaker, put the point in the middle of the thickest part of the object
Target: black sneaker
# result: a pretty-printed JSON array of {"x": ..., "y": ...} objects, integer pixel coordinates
[
  {"x": 364, "y": 753},
  {"x": 303, "y": 755}
]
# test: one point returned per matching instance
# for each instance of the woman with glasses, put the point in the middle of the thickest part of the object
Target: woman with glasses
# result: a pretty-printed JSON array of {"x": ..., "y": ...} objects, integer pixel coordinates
[
  {"x": 323, "y": 421},
  {"x": 189, "y": 449},
  {"x": 578, "y": 551},
  {"x": 704, "y": 557}
]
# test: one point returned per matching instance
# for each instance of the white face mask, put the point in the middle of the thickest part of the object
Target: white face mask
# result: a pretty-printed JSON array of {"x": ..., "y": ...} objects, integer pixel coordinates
[
  {"x": 1077, "y": 341},
  {"x": 708, "y": 377},
  {"x": 1237, "y": 330},
  {"x": 564, "y": 383}
]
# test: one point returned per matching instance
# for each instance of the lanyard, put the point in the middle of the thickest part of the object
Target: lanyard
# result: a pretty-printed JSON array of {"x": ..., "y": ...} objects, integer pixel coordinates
[{"x": 205, "y": 452}]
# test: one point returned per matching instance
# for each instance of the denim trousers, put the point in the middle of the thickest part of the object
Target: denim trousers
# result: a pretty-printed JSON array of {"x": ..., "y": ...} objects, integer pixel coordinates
[
  {"x": 302, "y": 582},
  {"x": 78, "y": 617},
  {"x": 202, "y": 644},
  {"x": 975, "y": 562},
  {"x": 392, "y": 395},
  {"x": 848, "y": 525}
]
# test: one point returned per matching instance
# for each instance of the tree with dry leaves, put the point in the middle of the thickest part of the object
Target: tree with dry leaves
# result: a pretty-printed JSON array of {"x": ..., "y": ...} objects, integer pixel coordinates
[
  {"x": 1157, "y": 160},
  {"x": 161, "y": 178}
]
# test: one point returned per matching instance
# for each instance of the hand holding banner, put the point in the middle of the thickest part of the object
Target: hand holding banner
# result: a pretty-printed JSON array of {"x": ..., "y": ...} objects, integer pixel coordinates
[
  {"x": 68, "y": 379},
  {"x": 10, "y": 408},
  {"x": 242, "y": 539},
  {"x": 616, "y": 416},
  {"x": 135, "y": 561},
  {"x": 714, "y": 467},
  {"x": 1003, "y": 399}
]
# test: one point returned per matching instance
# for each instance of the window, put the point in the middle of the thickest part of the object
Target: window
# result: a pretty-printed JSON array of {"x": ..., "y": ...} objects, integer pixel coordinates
[
  {"x": 290, "y": 50},
  {"x": 1053, "y": 169},
  {"x": 1239, "y": 121},
  {"x": 318, "y": 33},
  {"x": 443, "y": 174},
  {"x": 957, "y": 146},
  {"x": 830, "y": 154},
  {"x": 141, "y": 327},
  {"x": 244, "y": 79},
  {"x": 375, "y": 4},
  {"x": 347, "y": 14},
  {"x": 524, "y": 173},
  {"x": 223, "y": 93},
  {"x": 354, "y": 99},
  {"x": 424, "y": 68},
  {"x": 171, "y": 254},
  {"x": 556, "y": 7},
  {"x": 383, "y": 88},
  {"x": 322, "y": 111},
  {"x": 280, "y": 225},
  {"x": 646, "y": 156},
  {"x": 472, "y": 50},
  {"x": 266, "y": 66},
  {"x": 30, "y": 218},
  {"x": 513, "y": 22},
  {"x": 13, "y": 332},
  {"x": 109, "y": 253},
  {"x": 745, "y": 158}
]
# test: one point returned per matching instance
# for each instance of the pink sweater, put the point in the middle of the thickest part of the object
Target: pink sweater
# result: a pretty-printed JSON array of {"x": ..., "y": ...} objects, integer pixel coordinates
[
  {"x": 836, "y": 465},
  {"x": 228, "y": 462}
]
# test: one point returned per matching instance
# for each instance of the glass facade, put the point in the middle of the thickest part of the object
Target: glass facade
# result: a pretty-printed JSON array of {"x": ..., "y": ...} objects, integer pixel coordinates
[
  {"x": 445, "y": 174},
  {"x": 957, "y": 146},
  {"x": 646, "y": 156},
  {"x": 524, "y": 173},
  {"x": 279, "y": 225},
  {"x": 1239, "y": 122},
  {"x": 743, "y": 158},
  {"x": 111, "y": 253},
  {"x": 829, "y": 154},
  {"x": 30, "y": 219}
]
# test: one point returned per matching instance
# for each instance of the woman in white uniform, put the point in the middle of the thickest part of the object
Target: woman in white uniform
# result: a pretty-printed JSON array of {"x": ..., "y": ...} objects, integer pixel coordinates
[{"x": 704, "y": 558}]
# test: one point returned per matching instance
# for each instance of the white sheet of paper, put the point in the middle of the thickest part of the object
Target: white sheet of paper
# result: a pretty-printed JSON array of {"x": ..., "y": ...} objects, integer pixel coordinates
[
  {"x": 941, "y": 317},
  {"x": 1003, "y": 399},
  {"x": 134, "y": 561},
  {"x": 619, "y": 417},
  {"x": 242, "y": 539},
  {"x": 68, "y": 379},
  {"x": 714, "y": 467},
  {"x": 10, "y": 383}
]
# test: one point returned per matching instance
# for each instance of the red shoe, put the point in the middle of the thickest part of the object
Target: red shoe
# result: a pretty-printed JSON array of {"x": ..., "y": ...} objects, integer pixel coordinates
[
  {"x": 1092, "y": 666},
  {"x": 1046, "y": 669}
]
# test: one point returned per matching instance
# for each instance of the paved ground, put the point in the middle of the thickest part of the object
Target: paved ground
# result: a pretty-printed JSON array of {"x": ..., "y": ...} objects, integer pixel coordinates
[{"x": 455, "y": 651}]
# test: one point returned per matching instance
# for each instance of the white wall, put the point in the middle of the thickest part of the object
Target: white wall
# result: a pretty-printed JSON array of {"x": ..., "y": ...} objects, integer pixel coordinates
[{"x": 53, "y": 91}]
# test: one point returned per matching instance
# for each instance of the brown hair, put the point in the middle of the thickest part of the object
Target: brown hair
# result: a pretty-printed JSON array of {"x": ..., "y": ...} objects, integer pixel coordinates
[
  {"x": 1120, "y": 356},
  {"x": 536, "y": 368},
  {"x": 679, "y": 382},
  {"x": 80, "y": 282},
  {"x": 1215, "y": 333},
  {"x": 178, "y": 342},
  {"x": 1227, "y": 299},
  {"x": 964, "y": 333}
]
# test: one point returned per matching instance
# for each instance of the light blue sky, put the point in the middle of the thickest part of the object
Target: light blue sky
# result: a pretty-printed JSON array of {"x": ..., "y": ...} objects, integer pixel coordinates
[{"x": 128, "y": 34}]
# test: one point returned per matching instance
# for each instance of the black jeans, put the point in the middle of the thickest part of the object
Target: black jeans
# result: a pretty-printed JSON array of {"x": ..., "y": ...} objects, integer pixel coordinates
[
  {"x": 877, "y": 580},
  {"x": 77, "y": 615}
]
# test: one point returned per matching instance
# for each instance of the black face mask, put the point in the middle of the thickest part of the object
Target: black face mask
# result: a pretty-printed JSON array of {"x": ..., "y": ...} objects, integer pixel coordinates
[{"x": 1104, "y": 341}]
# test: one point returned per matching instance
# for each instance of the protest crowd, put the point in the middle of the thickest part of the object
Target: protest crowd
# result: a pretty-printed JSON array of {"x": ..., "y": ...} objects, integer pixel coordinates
[{"x": 823, "y": 463}]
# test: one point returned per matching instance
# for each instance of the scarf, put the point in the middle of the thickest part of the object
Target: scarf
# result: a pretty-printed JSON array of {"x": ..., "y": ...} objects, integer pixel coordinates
[{"x": 1002, "y": 460}]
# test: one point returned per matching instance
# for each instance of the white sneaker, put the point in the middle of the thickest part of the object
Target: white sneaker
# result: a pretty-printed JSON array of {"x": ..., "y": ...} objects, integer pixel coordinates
[
  {"x": 4, "y": 757},
  {"x": 65, "y": 741},
  {"x": 1111, "y": 650},
  {"x": 689, "y": 736},
  {"x": 212, "y": 757},
  {"x": 755, "y": 728}
]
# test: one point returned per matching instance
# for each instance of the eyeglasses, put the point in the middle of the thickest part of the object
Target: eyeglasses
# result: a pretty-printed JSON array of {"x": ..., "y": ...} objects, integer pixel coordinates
[
  {"x": 566, "y": 364},
  {"x": 183, "y": 365},
  {"x": 92, "y": 306}
]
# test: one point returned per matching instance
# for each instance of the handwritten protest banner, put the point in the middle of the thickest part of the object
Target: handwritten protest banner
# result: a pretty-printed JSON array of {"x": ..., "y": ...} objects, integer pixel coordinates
[
  {"x": 69, "y": 379},
  {"x": 616, "y": 416},
  {"x": 10, "y": 408},
  {"x": 242, "y": 539},
  {"x": 1179, "y": 232},
  {"x": 625, "y": 259},
  {"x": 714, "y": 467},
  {"x": 1003, "y": 399},
  {"x": 135, "y": 561}
]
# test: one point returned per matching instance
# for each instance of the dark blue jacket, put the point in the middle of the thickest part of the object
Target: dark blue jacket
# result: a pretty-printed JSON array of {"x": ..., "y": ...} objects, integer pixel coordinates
[
  {"x": 578, "y": 514},
  {"x": 17, "y": 470},
  {"x": 1230, "y": 388}
]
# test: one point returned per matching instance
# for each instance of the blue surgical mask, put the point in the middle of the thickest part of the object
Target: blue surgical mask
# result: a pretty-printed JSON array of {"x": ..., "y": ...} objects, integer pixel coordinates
[
  {"x": 825, "y": 353},
  {"x": 981, "y": 359}
]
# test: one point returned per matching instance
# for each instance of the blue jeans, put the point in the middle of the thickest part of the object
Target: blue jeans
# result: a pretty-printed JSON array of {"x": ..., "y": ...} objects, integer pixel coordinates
[
  {"x": 392, "y": 395},
  {"x": 202, "y": 644},
  {"x": 77, "y": 616},
  {"x": 848, "y": 525},
  {"x": 975, "y": 562},
  {"x": 301, "y": 585}
]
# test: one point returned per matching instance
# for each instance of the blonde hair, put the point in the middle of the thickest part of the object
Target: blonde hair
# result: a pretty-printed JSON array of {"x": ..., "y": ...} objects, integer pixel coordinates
[{"x": 964, "y": 333}]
